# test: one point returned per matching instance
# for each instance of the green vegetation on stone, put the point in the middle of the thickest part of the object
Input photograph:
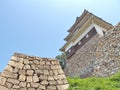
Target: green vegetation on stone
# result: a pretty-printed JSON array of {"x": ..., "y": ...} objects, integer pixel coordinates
[{"x": 95, "y": 83}]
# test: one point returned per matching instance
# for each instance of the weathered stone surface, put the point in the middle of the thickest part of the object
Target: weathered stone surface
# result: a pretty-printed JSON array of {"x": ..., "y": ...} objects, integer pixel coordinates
[
  {"x": 39, "y": 71},
  {"x": 26, "y": 61},
  {"x": 35, "y": 85},
  {"x": 60, "y": 71},
  {"x": 9, "y": 85},
  {"x": 43, "y": 77},
  {"x": 9, "y": 68},
  {"x": 13, "y": 81},
  {"x": 35, "y": 78},
  {"x": 22, "y": 77},
  {"x": 59, "y": 82},
  {"x": 36, "y": 62},
  {"x": 20, "y": 65},
  {"x": 30, "y": 72},
  {"x": 42, "y": 87},
  {"x": 51, "y": 87},
  {"x": 22, "y": 84},
  {"x": 26, "y": 67},
  {"x": 46, "y": 72},
  {"x": 23, "y": 88},
  {"x": 2, "y": 80},
  {"x": 29, "y": 79},
  {"x": 16, "y": 70},
  {"x": 13, "y": 63},
  {"x": 9, "y": 74},
  {"x": 28, "y": 84},
  {"x": 50, "y": 78},
  {"x": 63, "y": 87},
  {"x": 53, "y": 82},
  {"x": 44, "y": 82},
  {"x": 23, "y": 72},
  {"x": 14, "y": 58},
  {"x": 16, "y": 86},
  {"x": 31, "y": 88},
  {"x": 55, "y": 72},
  {"x": 3, "y": 88}
]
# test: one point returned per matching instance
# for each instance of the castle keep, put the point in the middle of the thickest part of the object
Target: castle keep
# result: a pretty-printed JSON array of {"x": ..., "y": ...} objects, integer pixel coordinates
[{"x": 92, "y": 47}]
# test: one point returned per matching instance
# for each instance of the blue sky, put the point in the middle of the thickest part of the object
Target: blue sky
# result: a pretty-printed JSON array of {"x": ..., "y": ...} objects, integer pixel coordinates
[{"x": 38, "y": 27}]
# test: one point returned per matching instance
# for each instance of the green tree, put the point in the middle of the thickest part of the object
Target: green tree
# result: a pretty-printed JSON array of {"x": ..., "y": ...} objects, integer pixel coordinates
[{"x": 61, "y": 59}]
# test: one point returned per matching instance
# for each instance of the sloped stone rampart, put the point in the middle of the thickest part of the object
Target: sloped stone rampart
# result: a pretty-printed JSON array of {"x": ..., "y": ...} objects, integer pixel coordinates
[
  {"x": 99, "y": 57},
  {"x": 25, "y": 72}
]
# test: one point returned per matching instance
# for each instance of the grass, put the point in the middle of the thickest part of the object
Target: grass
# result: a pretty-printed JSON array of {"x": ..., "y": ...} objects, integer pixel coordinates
[{"x": 94, "y": 83}]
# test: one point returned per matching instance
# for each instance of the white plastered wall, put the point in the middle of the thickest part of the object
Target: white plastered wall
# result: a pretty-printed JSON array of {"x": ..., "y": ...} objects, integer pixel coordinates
[{"x": 98, "y": 29}]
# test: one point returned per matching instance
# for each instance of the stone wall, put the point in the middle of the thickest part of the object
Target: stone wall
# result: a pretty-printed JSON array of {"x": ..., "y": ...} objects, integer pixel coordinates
[
  {"x": 98, "y": 57},
  {"x": 25, "y": 72}
]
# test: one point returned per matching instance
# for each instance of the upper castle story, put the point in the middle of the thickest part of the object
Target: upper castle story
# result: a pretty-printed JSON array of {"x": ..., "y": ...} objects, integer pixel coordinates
[{"x": 85, "y": 27}]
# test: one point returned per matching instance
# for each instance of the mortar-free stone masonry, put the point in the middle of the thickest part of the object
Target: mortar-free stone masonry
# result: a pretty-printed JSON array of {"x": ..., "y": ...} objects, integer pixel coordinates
[
  {"x": 92, "y": 47},
  {"x": 25, "y": 72}
]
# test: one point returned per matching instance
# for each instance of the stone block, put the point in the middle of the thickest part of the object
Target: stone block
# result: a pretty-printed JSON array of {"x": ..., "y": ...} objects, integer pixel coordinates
[
  {"x": 42, "y": 62},
  {"x": 33, "y": 67},
  {"x": 31, "y": 88},
  {"x": 56, "y": 77},
  {"x": 61, "y": 77},
  {"x": 20, "y": 65},
  {"x": 16, "y": 86},
  {"x": 36, "y": 62},
  {"x": 9, "y": 74},
  {"x": 65, "y": 81},
  {"x": 8, "y": 85},
  {"x": 39, "y": 71},
  {"x": 26, "y": 67},
  {"x": 22, "y": 77},
  {"x": 60, "y": 71},
  {"x": 30, "y": 72},
  {"x": 55, "y": 62},
  {"x": 3, "y": 88},
  {"x": 13, "y": 81},
  {"x": 42, "y": 87},
  {"x": 50, "y": 78},
  {"x": 16, "y": 70},
  {"x": 23, "y": 72},
  {"x": 55, "y": 72},
  {"x": 60, "y": 82},
  {"x": 51, "y": 87},
  {"x": 35, "y": 78},
  {"x": 34, "y": 85},
  {"x": 43, "y": 77},
  {"x": 2, "y": 80},
  {"x": 63, "y": 87},
  {"x": 28, "y": 84},
  {"x": 46, "y": 72},
  {"x": 14, "y": 58},
  {"x": 29, "y": 79},
  {"x": 9, "y": 68},
  {"x": 13, "y": 63},
  {"x": 22, "y": 84},
  {"x": 44, "y": 82},
  {"x": 48, "y": 63},
  {"x": 51, "y": 72},
  {"x": 26, "y": 61},
  {"x": 23, "y": 88},
  {"x": 53, "y": 82}
]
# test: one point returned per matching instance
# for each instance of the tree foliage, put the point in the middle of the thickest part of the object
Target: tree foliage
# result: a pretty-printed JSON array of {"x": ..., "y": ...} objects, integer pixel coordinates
[{"x": 61, "y": 59}]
